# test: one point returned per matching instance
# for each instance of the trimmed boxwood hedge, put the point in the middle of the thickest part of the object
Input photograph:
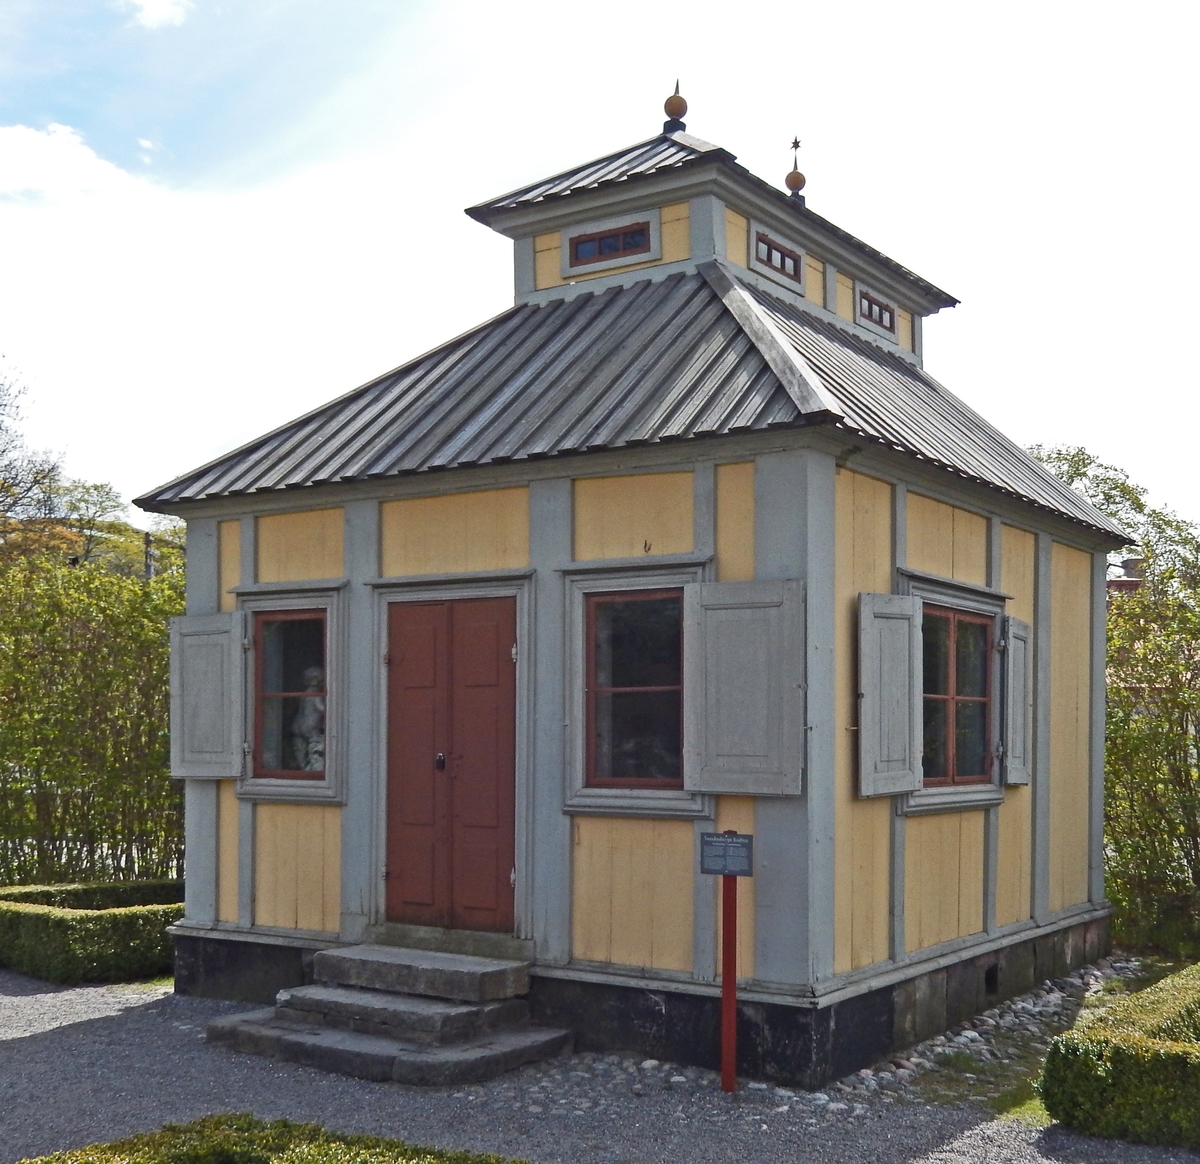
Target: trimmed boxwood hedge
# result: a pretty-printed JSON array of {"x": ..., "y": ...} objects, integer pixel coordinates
[
  {"x": 241, "y": 1139},
  {"x": 1134, "y": 1070},
  {"x": 89, "y": 933}
]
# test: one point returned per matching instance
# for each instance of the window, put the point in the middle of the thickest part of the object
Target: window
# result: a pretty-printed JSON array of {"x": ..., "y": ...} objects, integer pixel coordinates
[
  {"x": 880, "y": 314},
  {"x": 634, "y": 689},
  {"x": 786, "y": 262},
  {"x": 290, "y": 694},
  {"x": 604, "y": 246},
  {"x": 956, "y": 651}
]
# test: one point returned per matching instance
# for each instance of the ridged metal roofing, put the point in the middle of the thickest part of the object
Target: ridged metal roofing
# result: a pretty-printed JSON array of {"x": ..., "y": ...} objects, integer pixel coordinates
[
  {"x": 659, "y": 153},
  {"x": 651, "y": 362}
]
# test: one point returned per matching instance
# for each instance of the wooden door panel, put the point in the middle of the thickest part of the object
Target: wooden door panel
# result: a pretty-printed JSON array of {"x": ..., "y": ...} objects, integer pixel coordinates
[{"x": 452, "y": 690}]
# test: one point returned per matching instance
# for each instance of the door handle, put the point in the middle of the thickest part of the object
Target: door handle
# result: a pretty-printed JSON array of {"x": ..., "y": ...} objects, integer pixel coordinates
[{"x": 439, "y": 761}]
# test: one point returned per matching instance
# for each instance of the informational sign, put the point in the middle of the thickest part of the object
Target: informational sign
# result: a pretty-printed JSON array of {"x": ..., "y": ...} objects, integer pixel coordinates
[{"x": 727, "y": 854}]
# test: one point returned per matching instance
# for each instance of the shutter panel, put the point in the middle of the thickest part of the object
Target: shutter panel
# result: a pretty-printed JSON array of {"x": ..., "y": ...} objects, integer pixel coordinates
[
  {"x": 1018, "y": 701},
  {"x": 889, "y": 694},
  {"x": 207, "y": 696},
  {"x": 743, "y": 697}
]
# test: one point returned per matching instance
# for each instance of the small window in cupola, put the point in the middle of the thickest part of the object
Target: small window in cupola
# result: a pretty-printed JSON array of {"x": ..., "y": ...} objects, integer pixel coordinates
[
  {"x": 874, "y": 311},
  {"x": 604, "y": 246},
  {"x": 778, "y": 257}
]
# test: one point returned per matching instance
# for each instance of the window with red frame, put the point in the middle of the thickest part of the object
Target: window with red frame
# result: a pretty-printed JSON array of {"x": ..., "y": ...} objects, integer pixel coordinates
[
  {"x": 786, "y": 262},
  {"x": 957, "y": 652},
  {"x": 878, "y": 313},
  {"x": 289, "y": 695},
  {"x": 610, "y": 244},
  {"x": 634, "y": 689}
]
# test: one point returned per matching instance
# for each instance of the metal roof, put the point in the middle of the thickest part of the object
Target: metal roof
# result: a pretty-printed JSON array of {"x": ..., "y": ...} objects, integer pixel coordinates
[
  {"x": 647, "y": 157},
  {"x": 673, "y": 151},
  {"x": 689, "y": 356}
]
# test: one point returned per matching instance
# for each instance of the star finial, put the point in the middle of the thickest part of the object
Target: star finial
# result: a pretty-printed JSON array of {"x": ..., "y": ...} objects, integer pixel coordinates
[
  {"x": 795, "y": 180},
  {"x": 795, "y": 143}
]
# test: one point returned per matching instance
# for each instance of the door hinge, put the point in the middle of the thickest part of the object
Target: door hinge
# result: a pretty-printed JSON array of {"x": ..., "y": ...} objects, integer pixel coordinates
[
  {"x": 387, "y": 658},
  {"x": 512, "y": 878},
  {"x": 514, "y": 652}
]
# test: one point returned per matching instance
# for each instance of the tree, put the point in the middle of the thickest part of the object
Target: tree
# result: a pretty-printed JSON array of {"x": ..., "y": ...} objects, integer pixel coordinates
[{"x": 1152, "y": 767}]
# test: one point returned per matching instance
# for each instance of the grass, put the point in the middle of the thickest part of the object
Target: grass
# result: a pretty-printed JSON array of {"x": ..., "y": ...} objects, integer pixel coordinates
[{"x": 241, "y": 1139}]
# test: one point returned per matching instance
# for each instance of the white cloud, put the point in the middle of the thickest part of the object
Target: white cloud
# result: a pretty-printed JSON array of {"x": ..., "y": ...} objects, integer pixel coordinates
[
  {"x": 55, "y": 166},
  {"x": 158, "y": 13}
]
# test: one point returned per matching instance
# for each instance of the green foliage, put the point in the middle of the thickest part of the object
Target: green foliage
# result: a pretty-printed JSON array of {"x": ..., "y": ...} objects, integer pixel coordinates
[
  {"x": 1152, "y": 782},
  {"x": 1134, "y": 1070},
  {"x": 242, "y": 1139},
  {"x": 89, "y": 933},
  {"x": 100, "y": 895},
  {"x": 84, "y": 792}
]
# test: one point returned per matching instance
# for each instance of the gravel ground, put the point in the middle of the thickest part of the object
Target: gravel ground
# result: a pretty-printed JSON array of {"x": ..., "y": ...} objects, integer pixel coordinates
[{"x": 86, "y": 1064}]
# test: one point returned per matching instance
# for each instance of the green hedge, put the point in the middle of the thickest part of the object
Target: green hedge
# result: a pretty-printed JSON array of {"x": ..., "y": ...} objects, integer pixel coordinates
[
  {"x": 241, "y": 1139},
  {"x": 89, "y": 933},
  {"x": 1134, "y": 1070}
]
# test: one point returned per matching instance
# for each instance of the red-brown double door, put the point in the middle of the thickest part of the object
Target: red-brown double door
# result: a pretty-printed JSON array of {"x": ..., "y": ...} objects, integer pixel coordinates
[{"x": 451, "y": 763}]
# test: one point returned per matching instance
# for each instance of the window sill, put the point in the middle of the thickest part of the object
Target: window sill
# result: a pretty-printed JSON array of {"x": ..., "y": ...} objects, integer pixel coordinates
[
  {"x": 266, "y": 788},
  {"x": 951, "y": 798},
  {"x": 652, "y": 802}
]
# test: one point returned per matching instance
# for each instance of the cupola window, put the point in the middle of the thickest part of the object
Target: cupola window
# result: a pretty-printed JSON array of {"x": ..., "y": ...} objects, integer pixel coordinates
[
  {"x": 779, "y": 258},
  {"x": 872, "y": 310},
  {"x": 607, "y": 245}
]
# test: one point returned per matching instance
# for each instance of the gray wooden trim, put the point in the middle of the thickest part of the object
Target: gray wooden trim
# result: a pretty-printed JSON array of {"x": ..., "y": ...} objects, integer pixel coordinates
[
  {"x": 704, "y": 510},
  {"x": 364, "y": 788},
  {"x": 297, "y": 586},
  {"x": 1099, "y": 664},
  {"x": 706, "y": 227},
  {"x": 249, "y": 551},
  {"x": 203, "y": 566},
  {"x": 952, "y": 798},
  {"x": 550, "y": 542},
  {"x": 995, "y": 553},
  {"x": 246, "y": 812},
  {"x": 523, "y": 267},
  {"x": 646, "y": 562},
  {"x": 417, "y": 580},
  {"x": 200, "y": 851},
  {"x": 951, "y": 589},
  {"x": 831, "y": 274},
  {"x": 1041, "y": 775},
  {"x": 704, "y": 913},
  {"x": 896, "y": 858},
  {"x": 794, "y": 835},
  {"x": 991, "y": 865}
]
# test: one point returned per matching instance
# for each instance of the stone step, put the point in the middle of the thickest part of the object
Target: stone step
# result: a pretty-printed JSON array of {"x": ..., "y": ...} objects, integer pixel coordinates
[
  {"x": 429, "y": 972},
  {"x": 477, "y": 942},
  {"x": 373, "y": 1057},
  {"x": 411, "y": 1017}
]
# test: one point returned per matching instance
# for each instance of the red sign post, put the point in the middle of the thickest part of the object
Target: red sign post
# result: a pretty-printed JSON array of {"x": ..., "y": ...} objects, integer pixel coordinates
[{"x": 729, "y": 855}]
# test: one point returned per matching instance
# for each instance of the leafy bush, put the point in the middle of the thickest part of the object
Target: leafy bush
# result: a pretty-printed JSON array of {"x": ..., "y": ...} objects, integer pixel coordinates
[
  {"x": 89, "y": 933},
  {"x": 101, "y": 895},
  {"x": 84, "y": 787},
  {"x": 1134, "y": 1070},
  {"x": 241, "y": 1139}
]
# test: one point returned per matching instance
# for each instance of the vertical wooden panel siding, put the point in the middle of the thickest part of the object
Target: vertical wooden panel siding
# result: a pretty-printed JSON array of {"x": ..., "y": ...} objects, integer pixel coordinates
[
  {"x": 297, "y": 867},
  {"x": 845, "y": 297},
  {"x": 1014, "y": 855},
  {"x": 488, "y": 530},
  {"x": 943, "y": 877},
  {"x": 814, "y": 280},
  {"x": 547, "y": 260},
  {"x": 295, "y": 546},
  {"x": 735, "y": 522},
  {"x": 904, "y": 328},
  {"x": 676, "y": 232},
  {"x": 632, "y": 892},
  {"x": 229, "y": 562},
  {"x": 227, "y": 852},
  {"x": 737, "y": 813},
  {"x": 1070, "y": 664},
  {"x": 946, "y": 540},
  {"x": 737, "y": 238},
  {"x": 629, "y": 517},
  {"x": 863, "y": 562}
]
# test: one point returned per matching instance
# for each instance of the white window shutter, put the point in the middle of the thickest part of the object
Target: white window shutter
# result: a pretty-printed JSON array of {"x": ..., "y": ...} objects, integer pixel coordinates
[
  {"x": 743, "y": 695},
  {"x": 207, "y": 696},
  {"x": 1018, "y": 701},
  {"x": 889, "y": 694}
]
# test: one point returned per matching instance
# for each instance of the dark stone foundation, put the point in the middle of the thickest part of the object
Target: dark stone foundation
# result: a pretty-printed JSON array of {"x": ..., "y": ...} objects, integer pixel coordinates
[{"x": 797, "y": 1045}]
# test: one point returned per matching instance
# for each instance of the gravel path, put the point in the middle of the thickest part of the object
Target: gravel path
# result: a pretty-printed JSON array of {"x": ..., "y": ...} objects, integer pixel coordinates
[{"x": 85, "y": 1064}]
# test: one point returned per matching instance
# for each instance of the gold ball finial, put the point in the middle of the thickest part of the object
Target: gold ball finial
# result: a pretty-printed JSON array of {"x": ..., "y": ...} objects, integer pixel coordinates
[
  {"x": 795, "y": 180},
  {"x": 675, "y": 106}
]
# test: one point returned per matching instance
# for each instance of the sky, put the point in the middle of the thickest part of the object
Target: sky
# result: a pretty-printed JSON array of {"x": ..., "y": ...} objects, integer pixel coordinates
[{"x": 217, "y": 214}]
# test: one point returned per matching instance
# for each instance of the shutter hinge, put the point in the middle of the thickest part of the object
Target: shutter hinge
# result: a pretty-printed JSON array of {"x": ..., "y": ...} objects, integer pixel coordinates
[
  {"x": 245, "y": 644},
  {"x": 514, "y": 652},
  {"x": 1002, "y": 644},
  {"x": 512, "y": 878}
]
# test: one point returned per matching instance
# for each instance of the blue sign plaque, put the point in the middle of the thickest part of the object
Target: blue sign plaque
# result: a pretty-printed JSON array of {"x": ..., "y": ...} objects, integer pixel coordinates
[{"x": 727, "y": 854}]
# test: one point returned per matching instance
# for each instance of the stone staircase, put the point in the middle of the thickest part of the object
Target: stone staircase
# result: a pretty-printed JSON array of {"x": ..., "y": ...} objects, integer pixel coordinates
[{"x": 413, "y": 1016}]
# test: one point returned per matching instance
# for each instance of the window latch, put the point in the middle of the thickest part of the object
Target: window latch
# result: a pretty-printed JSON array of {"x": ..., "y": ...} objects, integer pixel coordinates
[{"x": 439, "y": 761}]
